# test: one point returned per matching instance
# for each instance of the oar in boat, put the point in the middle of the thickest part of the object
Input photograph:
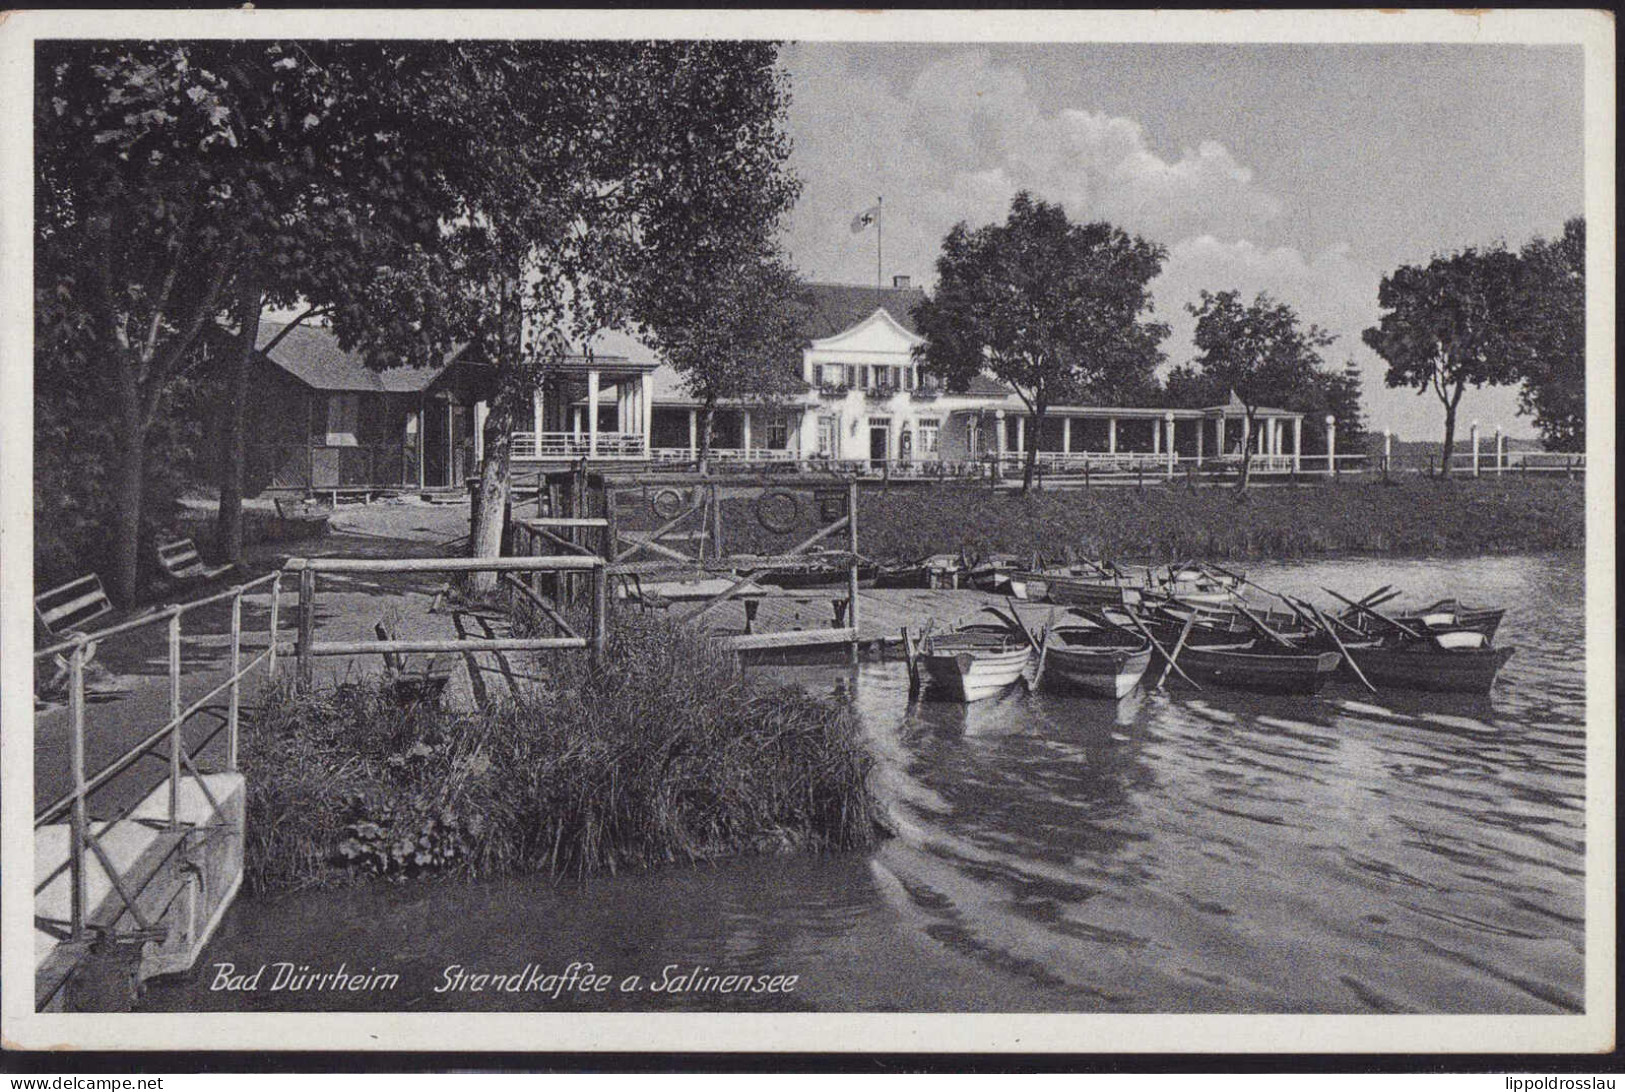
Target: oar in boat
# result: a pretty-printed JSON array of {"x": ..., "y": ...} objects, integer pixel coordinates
[
  {"x": 1013, "y": 620},
  {"x": 1146, "y": 633},
  {"x": 1402, "y": 627},
  {"x": 1266, "y": 630},
  {"x": 1304, "y": 605},
  {"x": 1332, "y": 633},
  {"x": 1222, "y": 571},
  {"x": 1043, "y": 646},
  {"x": 1184, "y": 632}
]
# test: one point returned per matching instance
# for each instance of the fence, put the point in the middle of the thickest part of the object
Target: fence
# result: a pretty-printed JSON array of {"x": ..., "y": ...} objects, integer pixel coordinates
[
  {"x": 577, "y": 445},
  {"x": 308, "y": 648},
  {"x": 76, "y": 801}
]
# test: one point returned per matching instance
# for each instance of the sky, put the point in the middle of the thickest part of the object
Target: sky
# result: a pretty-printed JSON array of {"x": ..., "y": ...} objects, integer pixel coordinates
[{"x": 1305, "y": 171}]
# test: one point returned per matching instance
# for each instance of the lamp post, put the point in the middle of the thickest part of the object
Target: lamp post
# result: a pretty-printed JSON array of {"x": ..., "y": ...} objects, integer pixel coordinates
[
  {"x": 1387, "y": 451},
  {"x": 1474, "y": 432},
  {"x": 1168, "y": 419},
  {"x": 1331, "y": 444}
]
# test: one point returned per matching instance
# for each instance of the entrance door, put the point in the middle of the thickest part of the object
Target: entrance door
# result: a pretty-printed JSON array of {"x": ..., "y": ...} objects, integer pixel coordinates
[
  {"x": 879, "y": 441},
  {"x": 829, "y": 436}
]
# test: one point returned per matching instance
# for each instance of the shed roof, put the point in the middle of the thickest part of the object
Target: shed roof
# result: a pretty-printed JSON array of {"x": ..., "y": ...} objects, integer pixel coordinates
[{"x": 312, "y": 354}]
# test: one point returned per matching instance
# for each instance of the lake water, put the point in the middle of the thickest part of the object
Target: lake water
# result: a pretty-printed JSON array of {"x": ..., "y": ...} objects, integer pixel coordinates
[{"x": 1184, "y": 852}]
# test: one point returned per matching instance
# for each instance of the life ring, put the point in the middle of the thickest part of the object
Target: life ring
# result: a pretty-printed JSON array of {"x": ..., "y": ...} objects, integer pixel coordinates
[
  {"x": 667, "y": 503},
  {"x": 777, "y": 511}
]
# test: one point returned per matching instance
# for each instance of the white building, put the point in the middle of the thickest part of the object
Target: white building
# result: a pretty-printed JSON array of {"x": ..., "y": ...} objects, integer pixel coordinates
[{"x": 864, "y": 405}]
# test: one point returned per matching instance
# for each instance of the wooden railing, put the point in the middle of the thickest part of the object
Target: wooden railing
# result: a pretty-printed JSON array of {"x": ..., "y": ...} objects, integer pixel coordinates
[{"x": 577, "y": 445}]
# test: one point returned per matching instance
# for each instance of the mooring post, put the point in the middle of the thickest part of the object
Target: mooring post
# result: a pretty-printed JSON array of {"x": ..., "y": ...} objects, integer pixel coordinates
[
  {"x": 307, "y": 624},
  {"x": 236, "y": 678},
  {"x": 852, "y": 572},
  {"x": 600, "y": 612},
  {"x": 1474, "y": 431},
  {"x": 76, "y": 758},
  {"x": 175, "y": 740}
]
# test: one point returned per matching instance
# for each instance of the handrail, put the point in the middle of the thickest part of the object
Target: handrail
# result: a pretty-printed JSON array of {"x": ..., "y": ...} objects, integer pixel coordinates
[
  {"x": 161, "y": 614},
  {"x": 439, "y": 564}
]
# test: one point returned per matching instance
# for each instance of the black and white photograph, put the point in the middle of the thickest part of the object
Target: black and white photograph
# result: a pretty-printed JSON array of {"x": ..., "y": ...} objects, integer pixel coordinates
[{"x": 799, "y": 526}]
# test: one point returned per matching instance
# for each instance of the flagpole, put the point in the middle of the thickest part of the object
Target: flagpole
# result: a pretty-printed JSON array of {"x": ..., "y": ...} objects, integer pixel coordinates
[{"x": 880, "y": 218}]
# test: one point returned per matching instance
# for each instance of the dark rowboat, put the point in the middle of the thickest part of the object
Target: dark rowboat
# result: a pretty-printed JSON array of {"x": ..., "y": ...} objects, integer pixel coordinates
[
  {"x": 1082, "y": 591},
  {"x": 1257, "y": 666},
  {"x": 815, "y": 576},
  {"x": 1448, "y": 614},
  {"x": 1100, "y": 662},
  {"x": 1423, "y": 665},
  {"x": 939, "y": 571}
]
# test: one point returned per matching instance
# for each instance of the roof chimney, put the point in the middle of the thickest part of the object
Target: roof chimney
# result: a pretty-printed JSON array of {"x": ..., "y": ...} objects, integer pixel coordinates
[{"x": 900, "y": 280}]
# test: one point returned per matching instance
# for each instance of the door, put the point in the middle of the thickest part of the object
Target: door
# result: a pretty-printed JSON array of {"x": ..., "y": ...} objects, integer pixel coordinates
[
  {"x": 829, "y": 436},
  {"x": 879, "y": 441}
]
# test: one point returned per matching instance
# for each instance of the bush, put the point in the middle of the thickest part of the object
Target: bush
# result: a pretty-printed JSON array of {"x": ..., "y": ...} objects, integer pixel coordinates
[{"x": 665, "y": 754}]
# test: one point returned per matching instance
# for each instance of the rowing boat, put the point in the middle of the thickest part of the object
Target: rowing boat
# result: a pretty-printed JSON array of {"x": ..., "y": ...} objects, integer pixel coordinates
[
  {"x": 976, "y": 661},
  {"x": 1256, "y": 666},
  {"x": 1425, "y": 665},
  {"x": 1096, "y": 661},
  {"x": 937, "y": 571}
]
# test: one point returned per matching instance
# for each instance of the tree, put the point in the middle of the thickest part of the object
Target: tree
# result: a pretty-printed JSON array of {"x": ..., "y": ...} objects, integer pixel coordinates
[
  {"x": 1259, "y": 351},
  {"x": 1049, "y": 307},
  {"x": 737, "y": 334},
  {"x": 1552, "y": 324},
  {"x": 584, "y": 171},
  {"x": 1449, "y": 325},
  {"x": 165, "y": 173}
]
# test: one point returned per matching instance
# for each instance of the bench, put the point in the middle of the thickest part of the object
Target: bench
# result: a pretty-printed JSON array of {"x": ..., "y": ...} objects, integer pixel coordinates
[
  {"x": 181, "y": 561},
  {"x": 65, "y": 611}
]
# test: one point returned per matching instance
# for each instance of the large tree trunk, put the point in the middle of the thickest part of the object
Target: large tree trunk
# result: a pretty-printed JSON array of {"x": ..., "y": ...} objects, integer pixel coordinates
[
  {"x": 485, "y": 538},
  {"x": 129, "y": 479},
  {"x": 232, "y": 466},
  {"x": 708, "y": 417},
  {"x": 1449, "y": 438},
  {"x": 1030, "y": 462},
  {"x": 492, "y": 503}
]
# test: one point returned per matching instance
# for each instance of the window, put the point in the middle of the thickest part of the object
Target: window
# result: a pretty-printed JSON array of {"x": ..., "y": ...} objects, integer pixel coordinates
[
  {"x": 778, "y": 434},
  {"x": 863, "y": 376},
  {"x": 930, "y": 429},
  {"x": 831, "y": 375},
  {"x": 343, "y": 411},
  {"x": 851, "y": 376},
  {"x": 908, "y": 378},
  {"x": 829, "y": 435}
]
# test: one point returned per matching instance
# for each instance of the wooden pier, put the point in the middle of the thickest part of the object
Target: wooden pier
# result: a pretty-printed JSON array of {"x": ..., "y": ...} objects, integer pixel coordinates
[{"x": 791, "y": 620}]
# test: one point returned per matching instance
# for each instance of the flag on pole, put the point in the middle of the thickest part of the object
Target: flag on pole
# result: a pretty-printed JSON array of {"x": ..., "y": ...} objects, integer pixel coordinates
[{"x": 865, "y": 218}]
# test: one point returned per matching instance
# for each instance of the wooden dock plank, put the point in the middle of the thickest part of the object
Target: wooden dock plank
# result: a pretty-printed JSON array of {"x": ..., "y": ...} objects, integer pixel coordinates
[{"x": 882, "y": 612}]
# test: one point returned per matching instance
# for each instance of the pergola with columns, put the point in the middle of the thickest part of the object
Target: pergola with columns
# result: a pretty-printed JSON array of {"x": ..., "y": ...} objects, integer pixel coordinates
[{"x": 568, "y": 407}]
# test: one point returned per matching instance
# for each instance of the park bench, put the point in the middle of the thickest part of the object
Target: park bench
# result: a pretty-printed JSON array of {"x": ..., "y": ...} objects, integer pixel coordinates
[
  {"x": 65, "y": 611},
  {"x": 181, "y": 562}
]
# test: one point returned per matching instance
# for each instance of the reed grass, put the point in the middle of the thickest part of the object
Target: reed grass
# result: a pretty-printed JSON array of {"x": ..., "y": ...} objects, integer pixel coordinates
[
  {"x": 1416, "y": 517},
  {"x": 665, "y": 754}
]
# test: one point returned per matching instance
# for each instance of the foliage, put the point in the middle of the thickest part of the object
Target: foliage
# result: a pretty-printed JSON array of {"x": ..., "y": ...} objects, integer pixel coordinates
[
  {"x": 1258, "y": 351},
  {"x": 667, "y": 754},
  {"x": 1553, "y": 323},
  {"x": 1449, "y": 325},
  {"x": 1051, "y": 308},
  {"x": 732, "y": 330}
]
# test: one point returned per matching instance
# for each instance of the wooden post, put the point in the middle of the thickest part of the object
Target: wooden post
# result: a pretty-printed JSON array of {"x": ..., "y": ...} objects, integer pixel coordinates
[
  {"x": 1474, "y": 431},
  {"x": 852, "y": 572},
  {"x": 79, "y": 822},
  {"x": 307, "y": 625},
  {"x": 175, "y": 741},
  {"x": 600, "y": 613},
  {"x": 276, "y": 603}
]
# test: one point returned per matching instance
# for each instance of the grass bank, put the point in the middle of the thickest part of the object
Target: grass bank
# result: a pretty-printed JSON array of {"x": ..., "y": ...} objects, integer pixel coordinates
[
  {"x": 665, "y": 755},
  {"x": 1410, "y": 517}
]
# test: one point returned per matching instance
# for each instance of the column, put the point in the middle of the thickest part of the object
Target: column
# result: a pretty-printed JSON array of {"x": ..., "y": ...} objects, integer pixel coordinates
[
  {"x": 646, "y": 410},
  {"x": 1201, "y": 433},
  {"x": 1111, "y": 436},
  {"x": 592, "y": 413},
  {"x": 1021, "y": 434},
  {"x": 693, "y": 434},
  {"x": 744, "y": 431},
  {"x": 1297, "y": 443},
  {"x": 1475, "y": 448},
  {"x": 1331, "y": 444},
  {"x": 1156, "y": 437},
  {"x": 1218, "y": 435},
  {"x": 1246, "y": 434},
  {"x": 1168, "y": 419},
  {"x": 1500, "y": 450},
  {"x": 538, "y": 418},
  {"x": 998, "y": 430},
  {"x": 481, "y": 410},
  {"x": 1066, "y": 435}
]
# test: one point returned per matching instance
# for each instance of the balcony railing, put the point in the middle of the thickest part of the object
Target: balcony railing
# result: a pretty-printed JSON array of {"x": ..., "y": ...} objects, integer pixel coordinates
[{"x": 574, "y": 445}]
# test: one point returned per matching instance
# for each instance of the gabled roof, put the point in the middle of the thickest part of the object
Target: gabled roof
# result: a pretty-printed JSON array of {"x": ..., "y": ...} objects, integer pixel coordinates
[
  {"x": 838, "y": 307},
  {"x": 312, "y": 355}
]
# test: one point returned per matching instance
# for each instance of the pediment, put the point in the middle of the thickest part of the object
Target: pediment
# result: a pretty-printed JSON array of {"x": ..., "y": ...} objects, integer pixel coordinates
[{"x": 879, "y": 333}]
